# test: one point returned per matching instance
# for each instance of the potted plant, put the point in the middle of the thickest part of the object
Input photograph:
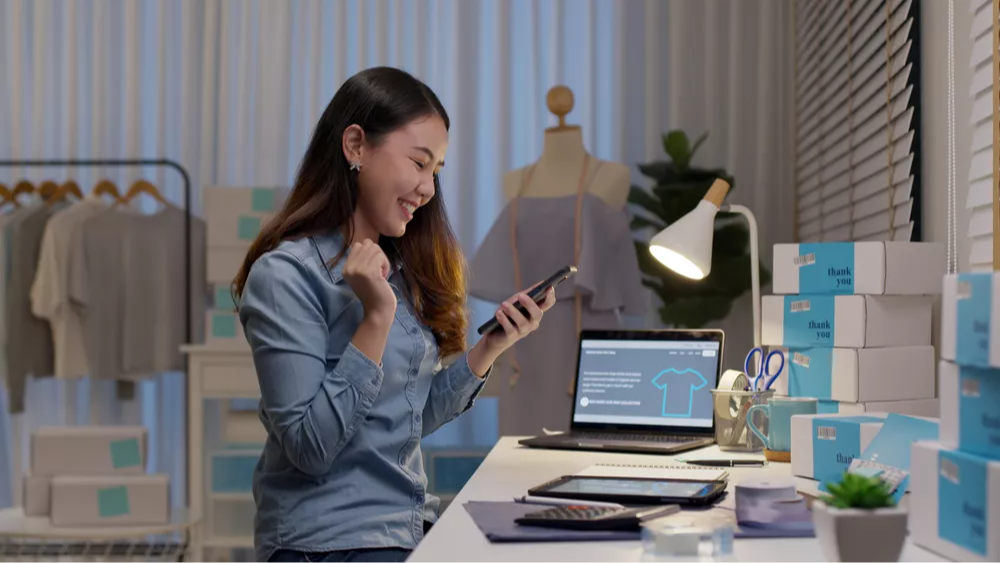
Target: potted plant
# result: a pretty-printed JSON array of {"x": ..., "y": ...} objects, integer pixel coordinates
[{"x": 859, "y": 520}]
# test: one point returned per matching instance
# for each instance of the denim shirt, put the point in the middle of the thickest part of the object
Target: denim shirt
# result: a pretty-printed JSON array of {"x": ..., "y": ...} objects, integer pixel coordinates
[{"x": 342, "y": 467}]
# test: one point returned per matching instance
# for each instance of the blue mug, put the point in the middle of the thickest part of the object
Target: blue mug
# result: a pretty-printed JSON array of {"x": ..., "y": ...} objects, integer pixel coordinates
[{"x": 779, "y": 412}]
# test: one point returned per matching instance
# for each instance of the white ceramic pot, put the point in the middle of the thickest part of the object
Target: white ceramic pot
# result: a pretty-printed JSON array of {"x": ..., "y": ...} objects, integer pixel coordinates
[{"x": 855, "y": 534}]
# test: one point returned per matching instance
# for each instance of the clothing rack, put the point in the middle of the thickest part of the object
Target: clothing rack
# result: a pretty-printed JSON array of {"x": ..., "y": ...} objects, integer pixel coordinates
[{"x": 130, "y": 163}]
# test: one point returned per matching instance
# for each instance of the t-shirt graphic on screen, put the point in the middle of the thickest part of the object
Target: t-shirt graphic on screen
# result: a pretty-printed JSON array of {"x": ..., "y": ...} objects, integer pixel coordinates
[
  {"x": 678, "y": 388},
  {"x": 654, "y": 383}
]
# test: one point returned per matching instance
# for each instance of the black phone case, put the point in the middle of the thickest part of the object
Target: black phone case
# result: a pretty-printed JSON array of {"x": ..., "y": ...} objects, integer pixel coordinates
[{"x": 536, "y": 295}]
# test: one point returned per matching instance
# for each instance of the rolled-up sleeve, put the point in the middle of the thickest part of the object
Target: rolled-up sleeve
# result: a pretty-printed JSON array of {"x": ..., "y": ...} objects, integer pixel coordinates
[
  {"x": 453, "y": 391},
  {"x": 313, "y": 413}
]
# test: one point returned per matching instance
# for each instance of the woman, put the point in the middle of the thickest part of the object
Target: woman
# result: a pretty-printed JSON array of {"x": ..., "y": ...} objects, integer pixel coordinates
[{"x": 350, "y": 297}]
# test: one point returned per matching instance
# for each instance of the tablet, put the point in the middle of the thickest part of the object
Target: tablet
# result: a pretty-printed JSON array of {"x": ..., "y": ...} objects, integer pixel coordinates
[{"x": 631, "y": 490}]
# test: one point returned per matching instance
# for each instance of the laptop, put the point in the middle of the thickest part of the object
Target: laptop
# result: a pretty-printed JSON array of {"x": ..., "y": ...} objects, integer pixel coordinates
[{"x": 642, "y": 391}]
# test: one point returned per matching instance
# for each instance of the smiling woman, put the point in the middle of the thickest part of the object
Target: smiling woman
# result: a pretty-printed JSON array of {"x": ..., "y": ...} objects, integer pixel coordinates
[{"x": 349, "y": 298}]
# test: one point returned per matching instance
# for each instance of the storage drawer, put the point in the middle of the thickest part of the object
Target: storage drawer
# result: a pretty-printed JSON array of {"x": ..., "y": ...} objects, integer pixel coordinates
[
  {"x": 230, "y": 378},
  {"x": 231, "y": 470},
  {"x": 232, "y": 518}
]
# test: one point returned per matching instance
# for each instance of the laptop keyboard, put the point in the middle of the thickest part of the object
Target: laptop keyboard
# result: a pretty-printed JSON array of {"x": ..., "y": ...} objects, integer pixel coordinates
[{"x": 636, "y": 437}]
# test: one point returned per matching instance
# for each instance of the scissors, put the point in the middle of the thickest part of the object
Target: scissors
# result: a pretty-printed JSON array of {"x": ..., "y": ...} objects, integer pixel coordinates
[{"x": 763, "y": 372}]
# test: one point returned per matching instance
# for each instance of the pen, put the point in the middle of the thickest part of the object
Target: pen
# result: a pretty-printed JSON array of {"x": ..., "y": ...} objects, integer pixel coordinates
[
  {"x": 727, "y": 462},
  {"x": 527, "y": 499}
]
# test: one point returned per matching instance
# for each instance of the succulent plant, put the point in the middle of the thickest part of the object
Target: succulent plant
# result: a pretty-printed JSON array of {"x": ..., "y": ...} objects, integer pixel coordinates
[{"x": 859, "y": 491}]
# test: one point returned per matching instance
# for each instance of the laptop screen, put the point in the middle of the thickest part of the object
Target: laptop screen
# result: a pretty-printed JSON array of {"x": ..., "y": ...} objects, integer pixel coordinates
[{"x": 646, "y": 382}]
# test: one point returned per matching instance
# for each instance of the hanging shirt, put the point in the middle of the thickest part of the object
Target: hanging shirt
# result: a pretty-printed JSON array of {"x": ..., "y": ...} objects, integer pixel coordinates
[{"x": 50, "y": 291}]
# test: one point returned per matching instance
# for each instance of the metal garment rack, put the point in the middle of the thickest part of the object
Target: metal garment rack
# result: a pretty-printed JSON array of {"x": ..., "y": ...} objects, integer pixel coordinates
[{"x": 135, "y": 163}]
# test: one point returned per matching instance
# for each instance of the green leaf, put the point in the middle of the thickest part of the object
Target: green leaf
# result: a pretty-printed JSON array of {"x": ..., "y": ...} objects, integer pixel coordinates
[
  {"x": 678, "y": 147},
  {"x": 660, "y": 171},
  {"x": 639, "y": 222},
  {"x": 698, "y": 143},
  {"x": 645, "y": 200}
]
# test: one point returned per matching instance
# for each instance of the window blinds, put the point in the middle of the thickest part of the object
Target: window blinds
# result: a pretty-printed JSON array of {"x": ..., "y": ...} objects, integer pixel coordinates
[
  {"x": 980, "y": 195},
  {"x": 856, "y": 144}
]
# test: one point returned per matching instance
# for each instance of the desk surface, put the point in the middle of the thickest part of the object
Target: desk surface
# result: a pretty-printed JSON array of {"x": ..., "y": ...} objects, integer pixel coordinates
[{"x": 511, "y": 470}]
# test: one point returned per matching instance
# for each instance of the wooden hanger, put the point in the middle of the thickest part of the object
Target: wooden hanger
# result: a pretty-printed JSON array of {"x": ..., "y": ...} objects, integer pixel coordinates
[
  {"x": 107, "y": 187},
  {"x": 48, "y": 190},
  {"x": 144, "y": 187},
  {"x": 560, "y": 102},
  {"x": 68, "y": 188},
  {"x": 23, "y": 187},
  {"x": 7, "y": 196}
]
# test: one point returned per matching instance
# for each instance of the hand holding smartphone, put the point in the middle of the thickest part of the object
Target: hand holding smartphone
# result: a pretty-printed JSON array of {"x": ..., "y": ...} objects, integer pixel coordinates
[{"x": 537, "y": 294}]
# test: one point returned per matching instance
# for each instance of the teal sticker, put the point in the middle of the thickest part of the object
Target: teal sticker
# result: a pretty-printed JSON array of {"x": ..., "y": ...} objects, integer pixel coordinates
[
  {"x": 978, "y": 419},
  {"x": 836, "y": 443},
  {"x": 224, "y": 298},
  {"x": 125, "y": 453},
  {"x": 973, "y": 319},
  {"x": 808, "y": 320},
  {"x": 262, "y": 200},
  {"x": 962, "y": 496},
  {"x": 248, "y": 227},
  {"x": 112, "y": 501},
  {"x": 810, "y": 372},
  {"x": 826, "y": 268},
  {"x": 223, "y": 325}
]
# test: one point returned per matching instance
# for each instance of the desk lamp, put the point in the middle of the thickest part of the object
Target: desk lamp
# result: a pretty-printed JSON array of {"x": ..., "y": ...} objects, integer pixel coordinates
[{"x": 686, "y": 245}]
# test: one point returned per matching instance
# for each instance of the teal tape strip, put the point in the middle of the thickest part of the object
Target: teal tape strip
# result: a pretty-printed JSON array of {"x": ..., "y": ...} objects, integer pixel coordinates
[
  {"x": 112, "y": 501},
  {"x": 248, "y": 227},
  {"x": 125, "y": 453},
  {"x": 262, "y": 200},
  {"x": 224, "y": 325}
]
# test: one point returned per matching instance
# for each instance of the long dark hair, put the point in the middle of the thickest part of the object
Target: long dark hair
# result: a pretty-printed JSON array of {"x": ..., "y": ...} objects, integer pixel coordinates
[{"x": 323, "y": 199}]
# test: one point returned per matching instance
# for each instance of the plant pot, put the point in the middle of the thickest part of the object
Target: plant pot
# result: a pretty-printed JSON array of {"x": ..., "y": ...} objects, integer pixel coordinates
[{"x": 855, "y": 534}]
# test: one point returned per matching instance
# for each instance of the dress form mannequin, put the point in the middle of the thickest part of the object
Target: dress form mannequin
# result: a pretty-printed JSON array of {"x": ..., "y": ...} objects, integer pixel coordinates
[{"x": 562, "y": 155}]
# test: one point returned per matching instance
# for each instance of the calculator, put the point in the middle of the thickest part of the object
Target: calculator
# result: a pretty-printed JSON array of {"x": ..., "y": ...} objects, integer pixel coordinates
[{"x": 584, "y": 517}]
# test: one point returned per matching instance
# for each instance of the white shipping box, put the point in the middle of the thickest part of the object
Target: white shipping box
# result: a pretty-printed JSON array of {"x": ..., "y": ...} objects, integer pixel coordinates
[
  {"x": 954, "y": 503},
  {"x": 223, "y": 328},
  {"x": 234, "y": 215},
  {"x": 970, "y": 319},
  {"x": 858, "y": 374},
  {"x": 970, "y": 409},
  {"x": 846, "y": 321},
  {"x": 88, "y": 450},
  {"x": 927, "y": 408},
  {"x": 224, "y": 262},
  {"x": 36, "y": 495},
  {"x": 824, "y": 445},
  {"x": 110, "y": 501},
  {"x": 869, "y": 268}
]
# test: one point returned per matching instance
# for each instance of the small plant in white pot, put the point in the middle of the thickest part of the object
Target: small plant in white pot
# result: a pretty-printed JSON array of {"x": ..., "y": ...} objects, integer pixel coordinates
[{"x": 859, "y": 521}]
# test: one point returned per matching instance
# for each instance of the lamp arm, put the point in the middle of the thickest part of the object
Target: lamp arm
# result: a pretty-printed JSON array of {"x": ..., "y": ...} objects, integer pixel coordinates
[{"x": 754, "y": 266}]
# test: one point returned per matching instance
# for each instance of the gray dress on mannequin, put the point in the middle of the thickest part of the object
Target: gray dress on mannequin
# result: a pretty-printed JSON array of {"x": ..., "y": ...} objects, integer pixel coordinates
[{"x": 608, "y": 283}]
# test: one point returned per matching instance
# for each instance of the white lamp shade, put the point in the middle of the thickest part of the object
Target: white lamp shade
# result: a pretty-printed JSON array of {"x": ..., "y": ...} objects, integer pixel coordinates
[{"x": 686, "y": 246}]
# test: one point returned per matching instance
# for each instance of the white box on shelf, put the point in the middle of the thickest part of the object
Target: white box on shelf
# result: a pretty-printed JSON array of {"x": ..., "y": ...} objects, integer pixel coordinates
[
  {"x": 927, "y": 408},
  {"x": 223, "y": 328},
  {"x": 858, "y": 375},
  {"x": 872, "y": 268},
  {"x": 110, "y": 500},
  {"x": 970, "y": 409},
  {"x": 846, "y": 321},
  {"x": 223, "y": 263},
  {"x": 955, "y": 503},
  {"x": 88, "y": 450},
  {"x": 823, "y": 445},
  {"x": 970, "y": 319},
  {"x": 234, "y": 215},
  {"x": 36, "y": 495}
]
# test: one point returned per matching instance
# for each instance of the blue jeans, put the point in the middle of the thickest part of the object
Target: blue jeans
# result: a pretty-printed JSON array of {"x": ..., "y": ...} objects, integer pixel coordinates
[{"x": 388, "y": 554}]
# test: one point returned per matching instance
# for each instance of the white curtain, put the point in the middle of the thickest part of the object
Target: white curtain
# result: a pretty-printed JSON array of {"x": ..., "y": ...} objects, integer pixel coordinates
[{"x": 233, "y": 88}]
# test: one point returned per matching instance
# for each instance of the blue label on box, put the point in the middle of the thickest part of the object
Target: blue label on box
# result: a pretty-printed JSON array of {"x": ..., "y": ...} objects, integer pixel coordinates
[
  {"x": 247, "y": 227},
  {"x": 125, "y": 453},
  {"x": 223, "y": 325},
  {"x": 974, "y": 297},
  {"x": 826, "y": 268},
  {"x": 810, "y": 372},
  {"x": 978, "y": 412},
  {"x": 112, "y": 501},
  {"x": 962, "y": 498},
  {"x": 808, "y": 320},
  {"x": 224, "y": 298},
  {"x": 836, "y": 442},
  {"x": 828, "y": 407},
  {"x": 262, "y": 200}
]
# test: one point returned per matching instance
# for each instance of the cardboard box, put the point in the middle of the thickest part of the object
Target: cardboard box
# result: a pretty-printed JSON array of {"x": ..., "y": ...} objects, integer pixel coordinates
[
  {"x": 110, "y": 500},
  {"x": 862, "y": 268},
  {"x": 927, "y": 408},
  {"x": 970, "y": 409},
  {"x": 243, "y": 428},
  {"x": 235, "y": 215},
  {"x": 224, "y": 262},
  {"x": 823, "y": 446},
  {"x": 88, "y": 450},
  {"x": 970, "y": 319},
  {"x": 954, "y": 503},
  {"x": 223, "y": 328},
  {"x": 36, "y": 495},
  {"x": 858, "y": 374},
  {"x": 846, "y": 321}
]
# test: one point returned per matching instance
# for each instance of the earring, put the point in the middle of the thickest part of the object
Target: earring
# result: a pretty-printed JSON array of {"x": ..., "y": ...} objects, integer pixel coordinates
[{"x": 355, "y": 166}]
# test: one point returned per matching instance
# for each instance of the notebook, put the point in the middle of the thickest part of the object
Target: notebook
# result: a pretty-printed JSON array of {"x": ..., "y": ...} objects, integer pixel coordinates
[{"x": 666, "y": 471}]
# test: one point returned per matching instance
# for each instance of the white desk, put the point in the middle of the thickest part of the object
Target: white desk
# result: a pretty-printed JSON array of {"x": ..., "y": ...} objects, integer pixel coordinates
[{"x": 511, "y": 470}]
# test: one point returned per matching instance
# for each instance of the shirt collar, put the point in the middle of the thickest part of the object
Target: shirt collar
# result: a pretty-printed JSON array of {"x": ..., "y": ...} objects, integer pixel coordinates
[{"x": 329, "y": 245}]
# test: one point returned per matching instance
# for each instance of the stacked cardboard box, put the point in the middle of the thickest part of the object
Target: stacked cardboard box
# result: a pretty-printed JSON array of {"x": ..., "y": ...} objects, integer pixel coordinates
[
  {"x": 955, "y": 509},
  {"x": 854, "y": 321},
  {"x": 94, "y": 476}
]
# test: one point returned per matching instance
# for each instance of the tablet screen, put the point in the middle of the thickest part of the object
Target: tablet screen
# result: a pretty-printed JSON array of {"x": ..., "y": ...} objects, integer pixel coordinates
[{"x": 630, "y": 487}]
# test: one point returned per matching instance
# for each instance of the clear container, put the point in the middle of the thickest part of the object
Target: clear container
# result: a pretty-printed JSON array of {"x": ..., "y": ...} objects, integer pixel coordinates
[
  {"x": 731, "y": 430},
  {"x": 683, "y": 540}
]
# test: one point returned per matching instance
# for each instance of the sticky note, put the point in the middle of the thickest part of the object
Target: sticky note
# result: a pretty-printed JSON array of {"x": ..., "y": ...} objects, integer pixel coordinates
[
  {"x": 112, "y": 501},
  {"x": 247, "y": 227},
  {"x": 224, "y": 325},
  {"x": 262, "y": 200},
  {"x": 224, "y": 298},
  {"x": 125, "y": 453}
]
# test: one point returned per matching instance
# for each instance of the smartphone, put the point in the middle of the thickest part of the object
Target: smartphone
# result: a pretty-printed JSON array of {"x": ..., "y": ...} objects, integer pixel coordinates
[{"x": 536, "y": 294}]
